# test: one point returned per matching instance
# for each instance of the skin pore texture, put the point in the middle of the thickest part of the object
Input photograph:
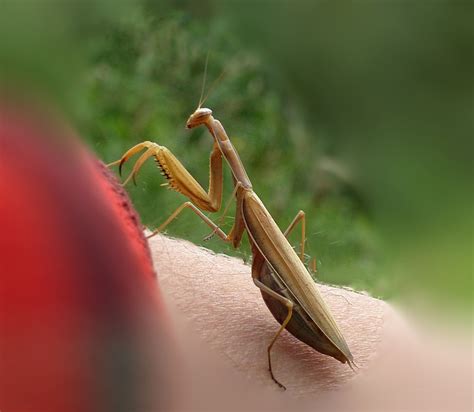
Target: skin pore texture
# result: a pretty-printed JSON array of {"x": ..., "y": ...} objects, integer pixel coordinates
[{"x": 223, "y": 328}]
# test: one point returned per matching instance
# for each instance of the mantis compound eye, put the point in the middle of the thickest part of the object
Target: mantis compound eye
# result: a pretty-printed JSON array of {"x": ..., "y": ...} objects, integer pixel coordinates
[
  {"x": 198, "y": 117},
  {"x": 203, "y": 111}
]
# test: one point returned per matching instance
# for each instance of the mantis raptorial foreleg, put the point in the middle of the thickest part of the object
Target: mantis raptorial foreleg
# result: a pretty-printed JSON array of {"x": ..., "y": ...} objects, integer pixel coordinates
[
  {"x": 179, "y": 179},
  {"x": 183, "y": 182}
]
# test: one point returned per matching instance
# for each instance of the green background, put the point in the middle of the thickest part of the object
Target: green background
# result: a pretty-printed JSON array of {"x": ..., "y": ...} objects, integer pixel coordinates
[{"x": 359, "y": 113}]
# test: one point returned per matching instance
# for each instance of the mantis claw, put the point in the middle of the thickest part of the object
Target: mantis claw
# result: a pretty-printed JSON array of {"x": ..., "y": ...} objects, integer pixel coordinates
[
  {"x": 138, "y": 165},
  {"x": 122, "y": 161},
  {"x": 278, "y": 383},
  {"x": 210, "y": 235},
  {"x": 130, "y": 176}
]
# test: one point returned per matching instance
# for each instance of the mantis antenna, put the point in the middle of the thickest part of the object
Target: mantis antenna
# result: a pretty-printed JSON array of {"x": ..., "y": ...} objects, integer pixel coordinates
[{"x": 203, "y": 99}]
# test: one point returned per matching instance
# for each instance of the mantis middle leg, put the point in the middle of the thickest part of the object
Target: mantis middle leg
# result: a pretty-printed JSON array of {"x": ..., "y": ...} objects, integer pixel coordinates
[{"x": 234, "y": 236}]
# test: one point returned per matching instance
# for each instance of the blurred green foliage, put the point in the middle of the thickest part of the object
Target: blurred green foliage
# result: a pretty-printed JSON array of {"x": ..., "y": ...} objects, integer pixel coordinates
[
  {"x": 146, "y": 79},
  {"x": 353, "y": 112}
]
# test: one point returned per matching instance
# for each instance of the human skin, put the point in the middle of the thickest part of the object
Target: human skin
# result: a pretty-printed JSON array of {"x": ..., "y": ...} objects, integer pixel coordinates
[
  {"x": 81, "y": 327},
  {"x": 223, "y": 328}
]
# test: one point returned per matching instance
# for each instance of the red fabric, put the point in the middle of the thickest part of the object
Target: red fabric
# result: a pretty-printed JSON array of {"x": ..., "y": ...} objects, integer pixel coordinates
[{"x": 77, "y": 288}]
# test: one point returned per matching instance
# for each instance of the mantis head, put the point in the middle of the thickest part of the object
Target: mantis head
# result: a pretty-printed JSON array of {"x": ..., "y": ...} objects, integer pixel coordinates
[{"x": 200, "y": 116}]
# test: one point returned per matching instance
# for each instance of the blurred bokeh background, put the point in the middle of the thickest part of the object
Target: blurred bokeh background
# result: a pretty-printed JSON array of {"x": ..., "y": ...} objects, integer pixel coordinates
[{"x": 359, "y": 113}]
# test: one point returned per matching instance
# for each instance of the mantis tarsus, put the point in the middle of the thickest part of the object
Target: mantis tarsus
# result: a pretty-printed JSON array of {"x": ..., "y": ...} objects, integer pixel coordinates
[{"x": 287, "y": 288}]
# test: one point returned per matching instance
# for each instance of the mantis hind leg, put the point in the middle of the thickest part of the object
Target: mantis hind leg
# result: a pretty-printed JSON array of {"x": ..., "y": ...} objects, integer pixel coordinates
[
  {"x": 261, "y": 271},
  {"x": 289, "y": 304},
  {"x": 301, "y": 217}
]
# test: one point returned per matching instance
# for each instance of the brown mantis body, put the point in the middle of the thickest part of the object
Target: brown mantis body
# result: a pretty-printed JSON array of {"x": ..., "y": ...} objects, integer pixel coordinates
[{"x": 286, "y": 285}]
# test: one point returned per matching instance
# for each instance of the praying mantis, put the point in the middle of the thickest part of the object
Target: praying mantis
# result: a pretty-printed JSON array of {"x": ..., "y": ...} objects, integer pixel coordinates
[{"x": 286, "y": 286}]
